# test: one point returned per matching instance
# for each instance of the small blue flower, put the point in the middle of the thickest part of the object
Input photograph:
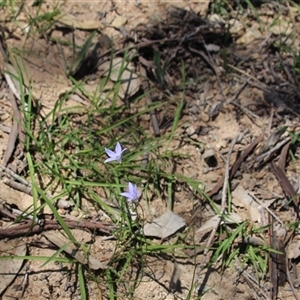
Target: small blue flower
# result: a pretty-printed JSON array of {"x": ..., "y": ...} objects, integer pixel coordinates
[
  {"x": 115, "y": 155},
  {"x": 132, "y": 194}
]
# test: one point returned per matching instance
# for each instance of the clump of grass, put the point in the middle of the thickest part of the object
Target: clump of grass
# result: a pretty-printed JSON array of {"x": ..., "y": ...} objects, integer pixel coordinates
[
  {"x": 66, "y": 158},
  {"x": 65, "y": 152}
]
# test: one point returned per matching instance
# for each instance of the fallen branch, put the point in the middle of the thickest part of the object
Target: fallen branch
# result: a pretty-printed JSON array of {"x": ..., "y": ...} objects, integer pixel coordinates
[{"x": 27, "y": 228}]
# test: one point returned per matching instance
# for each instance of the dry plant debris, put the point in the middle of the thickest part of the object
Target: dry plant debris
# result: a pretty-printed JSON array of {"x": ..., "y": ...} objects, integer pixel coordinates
[{"x": 225, "y": 87}]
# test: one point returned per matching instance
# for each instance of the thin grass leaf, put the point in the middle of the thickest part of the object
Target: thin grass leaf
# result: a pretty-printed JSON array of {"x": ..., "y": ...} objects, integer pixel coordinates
[
  {"x": 40, "y": 192},
  {"x": 82, "y": 54},
  {"x": 232, "y": 256},
  {"x": 53, "y": 258},
  {"x": 159, "y": 71},
  {"x": 253, "y": 259},
  {"x": 33, "y": 190},
  {"x": 39, "y": 258},
  {"x": 110, "y": 283},
  {"x": 81, "y": 280},
  {"x": 126, "y": 264}
]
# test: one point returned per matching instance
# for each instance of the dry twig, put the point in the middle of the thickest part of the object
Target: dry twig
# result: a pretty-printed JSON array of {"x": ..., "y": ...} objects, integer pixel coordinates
[
  {"x": 272, "y": 150},
  {"x": 28, "y": 228},
  {"x": 15, "y": 176}
]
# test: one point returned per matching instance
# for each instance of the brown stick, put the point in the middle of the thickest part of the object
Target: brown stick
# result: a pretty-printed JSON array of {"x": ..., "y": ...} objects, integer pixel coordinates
[
  {"x": 28, "y": 228},
  {"x": 17, "y": 130},
  {"x": 12, "y": 138},
  {"x": 283, "y": 156},
  {"x": 285, "y": 184}
]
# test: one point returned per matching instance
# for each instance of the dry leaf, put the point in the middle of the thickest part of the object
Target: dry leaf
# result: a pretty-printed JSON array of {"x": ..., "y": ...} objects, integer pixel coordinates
[
  {"x": 212, "y": 222},
  {"x": 216, "y": 19},
  {"x": 293, "y": 249},
  {"x": 250, "y": 35},
  {"x": 164, "y": 226},
  {"x": 241, "y": 198},
  {"x": 212, "y": 48},
  {"x": 130, "y": 85},
  {"x": 10, "y": 268},
  {"x": 236, "y": 28},
  {"x": 130, "y": 82},
  {"x": 273, "y": 138},
  {"x": 119, "y": 21},
  {"x": 73, "y": 22},
  {"x": 175, "y": 279},
  {"x": 79, "y": 255},
  {"x": 282, "y": 27}
]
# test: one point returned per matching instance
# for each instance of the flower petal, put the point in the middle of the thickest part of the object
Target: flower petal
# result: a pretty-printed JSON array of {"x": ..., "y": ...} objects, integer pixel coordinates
[
  {"x": 109, "y": 159},
  {"x": 118, "y": 158},
  {"x": 130, "y": 188},
  {"x": 132, "y": 193},
  {"x": 126, "y": 194},
  {"x": 118, "y": 148},
  {"x": 110, "y": 152}
]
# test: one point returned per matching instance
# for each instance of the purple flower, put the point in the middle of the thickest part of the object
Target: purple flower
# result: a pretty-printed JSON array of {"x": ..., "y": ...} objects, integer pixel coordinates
[
  {"x": 115, "y": 155},
  {"x": 132, "y": 194}
]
